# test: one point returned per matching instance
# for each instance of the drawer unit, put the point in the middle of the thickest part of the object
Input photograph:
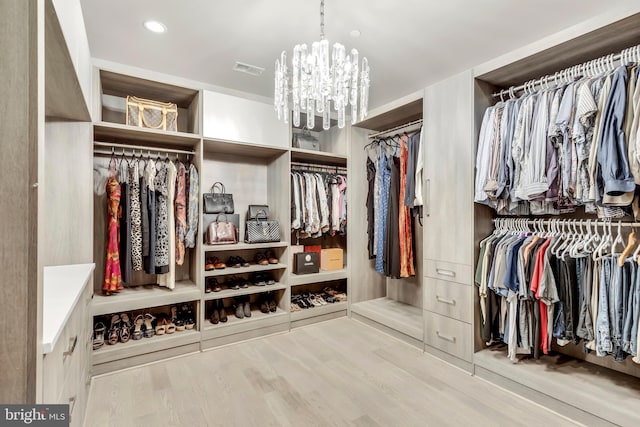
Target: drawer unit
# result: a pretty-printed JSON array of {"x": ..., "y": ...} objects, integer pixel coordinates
[
  {"x": 448, "y": 299},
  {"x": 449, "y": 335},
  {"x": 449, "y": 271}
]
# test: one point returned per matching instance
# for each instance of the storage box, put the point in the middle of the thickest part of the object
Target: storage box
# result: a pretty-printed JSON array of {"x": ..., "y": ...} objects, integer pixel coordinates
[
  {"x": 209, "y": 218},
  {"x": 314, "y": 248},
  {"x": 293, "y": 250},
  {"x": 306, "y": 263},
  {"x": 331, "y": 259}
]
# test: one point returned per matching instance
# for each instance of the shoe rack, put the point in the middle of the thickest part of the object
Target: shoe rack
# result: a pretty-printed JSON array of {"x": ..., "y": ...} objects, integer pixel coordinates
[{"x": 240, "y": 143}]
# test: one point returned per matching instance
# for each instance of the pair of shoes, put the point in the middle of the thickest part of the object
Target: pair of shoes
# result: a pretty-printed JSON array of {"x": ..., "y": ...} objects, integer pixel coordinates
[
  {"x": 242, "y": 307},
  {"x": 212, "y": 285},
  {"x": 295, "y": 307},
  {"x": 268, "y": 303},
  {"x": 176, "y": 319},
  {"x": 262, "y": 279},
  {"x": 266, "y": 258},
  {"x": 138, "y": 323},
  {"x": 236, "y": 283},
  {"x": 187, "y": 316},
  {"x": 148, "y": 330},
  {"x": 237, "y": 262},
  {"x": 164, "y": 325},
  {"x": 219, "y": 313},
  {"x": 214, "y": 264},
  {"x": 119, "y": 330}
]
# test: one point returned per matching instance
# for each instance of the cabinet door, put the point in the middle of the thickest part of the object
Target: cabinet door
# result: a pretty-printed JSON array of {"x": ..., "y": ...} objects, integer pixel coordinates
[{"x": 448, "y": 187}]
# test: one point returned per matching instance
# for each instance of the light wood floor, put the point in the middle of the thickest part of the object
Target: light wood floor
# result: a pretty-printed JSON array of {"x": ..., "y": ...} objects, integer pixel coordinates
[{"x": 336, "y": 373}]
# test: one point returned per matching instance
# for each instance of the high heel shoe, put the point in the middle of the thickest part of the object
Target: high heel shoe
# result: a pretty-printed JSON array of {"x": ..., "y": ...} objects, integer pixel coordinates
[
  {"x": 137, "y": 327},
  {"x": 148, "y": 327},
  {"x": 125, "y": 328},
  {"x": 98, "y": 335},
  {"x": 114, "y": 329},
  {"x": 176, "y": 319}
]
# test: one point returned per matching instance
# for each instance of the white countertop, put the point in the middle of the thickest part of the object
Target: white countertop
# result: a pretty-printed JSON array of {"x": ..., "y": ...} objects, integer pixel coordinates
[{"x": 61, "y": 289}]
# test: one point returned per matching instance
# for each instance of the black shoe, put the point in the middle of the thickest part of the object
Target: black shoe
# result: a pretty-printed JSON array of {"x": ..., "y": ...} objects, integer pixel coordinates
[
  {"x": 234, "y": 262},
  {"x": 215, "y": 315},
  {"x": 264, "y": 305},
  {"x": 233, "y": 283},
  {"x": 222, "y": 311},
  {"x": 243, "y": 262}
]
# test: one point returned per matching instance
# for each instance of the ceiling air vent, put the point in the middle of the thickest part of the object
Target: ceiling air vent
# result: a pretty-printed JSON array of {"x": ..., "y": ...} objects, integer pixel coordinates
[{"x": 248, "y": 69}]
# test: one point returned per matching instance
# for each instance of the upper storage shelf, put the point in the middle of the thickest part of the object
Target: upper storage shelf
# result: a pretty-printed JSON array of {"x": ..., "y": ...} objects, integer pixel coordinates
[{"x": 115, "y": 87}]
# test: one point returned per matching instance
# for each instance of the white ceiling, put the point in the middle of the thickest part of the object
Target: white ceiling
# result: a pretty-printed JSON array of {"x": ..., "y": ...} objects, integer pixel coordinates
[{"x": 409, "y": 43}]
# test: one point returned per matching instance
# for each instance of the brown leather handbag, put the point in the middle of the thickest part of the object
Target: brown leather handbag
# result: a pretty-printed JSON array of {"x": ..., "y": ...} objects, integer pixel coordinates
[{"x": 221, "y": 232}]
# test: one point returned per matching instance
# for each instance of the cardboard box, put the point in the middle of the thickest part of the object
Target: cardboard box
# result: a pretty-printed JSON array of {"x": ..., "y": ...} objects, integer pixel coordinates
[
  {"x": 294, "y": 249},
  {"x": 331, "y": 259},
  {"x": 306, "y": 263},
  {"x": 314, "y": 248}
]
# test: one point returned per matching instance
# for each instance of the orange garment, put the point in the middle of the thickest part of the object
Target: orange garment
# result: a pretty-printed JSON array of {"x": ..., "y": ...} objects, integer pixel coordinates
[
  {"x": 404, "y": 219},
  {"x": 112, "y": 274},
  {"x": 535, "y": 287}
]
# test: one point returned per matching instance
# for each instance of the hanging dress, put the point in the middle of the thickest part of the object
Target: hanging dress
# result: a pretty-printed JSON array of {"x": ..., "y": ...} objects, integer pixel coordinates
[
  {"x": 162, "y": 220},
  {"x": 168, "y": 280},
  {"x": 112, "y": 275},
  {"x": 192, "y": 208},
  {"x": 181, "y": 213},
  {"x": 136, "y": 217},
  {"x": 124, "y": 216},
  {"x": 392, "y": 238},
  {"x": 405, "y": 220}
]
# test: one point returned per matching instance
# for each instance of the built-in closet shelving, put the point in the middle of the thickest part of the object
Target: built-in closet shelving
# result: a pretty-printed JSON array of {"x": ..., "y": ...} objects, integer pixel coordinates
[
  {"x": 331, "y": 157},
  {"x": 393, "y": 305},
  {"x": 568, "y": 380}
]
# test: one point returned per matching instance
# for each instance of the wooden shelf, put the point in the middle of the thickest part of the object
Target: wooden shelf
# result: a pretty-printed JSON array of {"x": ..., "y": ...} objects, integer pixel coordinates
[
  {"x": 217, "y": 146},
  {"x": 319, "y": 311},
  {"x": 323, "y": 276},
  {"x": 231, "y": 293},
  {"x": 243, "y": 246},
  {"x": 235, "y": 326},
  {"x": 318, "y": 157},
  {"x": 131, "y": 348},
  {"x": 393, "y": 314},
  {"x": 122, "y": 85},
  {"x": 229, "y": 271},
  {"x": 138, "y": 297},
  {"x": 123, "y": 134}
]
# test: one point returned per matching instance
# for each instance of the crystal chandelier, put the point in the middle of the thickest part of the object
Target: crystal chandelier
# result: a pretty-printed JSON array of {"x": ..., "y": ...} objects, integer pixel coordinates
[{"x": 317, "y": 79}]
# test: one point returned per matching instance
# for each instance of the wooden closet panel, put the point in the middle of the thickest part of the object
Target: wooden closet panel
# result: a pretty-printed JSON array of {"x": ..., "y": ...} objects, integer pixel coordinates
[{"x": 448, "y": 127}]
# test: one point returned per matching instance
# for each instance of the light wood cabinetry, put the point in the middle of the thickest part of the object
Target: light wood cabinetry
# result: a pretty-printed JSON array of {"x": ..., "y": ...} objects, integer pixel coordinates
[{"x": 448, "y": 239}]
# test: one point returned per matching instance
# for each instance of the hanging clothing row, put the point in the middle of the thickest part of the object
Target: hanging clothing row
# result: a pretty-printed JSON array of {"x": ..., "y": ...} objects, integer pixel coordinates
[
  {"x": 560, "y": 147},
  {"x": 152, "y": 208},
  {"x": 394, "y": 174},
  {"x": 565, "y": 281},
  {"x": 318, "y": 203}
]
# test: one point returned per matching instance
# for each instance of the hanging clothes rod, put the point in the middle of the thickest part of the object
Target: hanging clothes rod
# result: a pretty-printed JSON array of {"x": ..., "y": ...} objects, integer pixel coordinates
[
  {"x": 506, "y": 221},
  {"x": 406, "y": 125},
  {"x": 141, "y": 148},
  {"x": 317, "y": 168},
  {"x": 595, "y": 66}
]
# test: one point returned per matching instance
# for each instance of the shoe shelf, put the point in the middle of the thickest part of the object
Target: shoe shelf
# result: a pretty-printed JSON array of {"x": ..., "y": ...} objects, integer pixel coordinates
[
  {"x": 308, "y": 313},
  {"x": 109, "y": 353},
  {"x": 251, "y": 269},
  {"x": 144, "y": 296},
  {"x": 234, "y": 325},
  {"x": 231, "y": 293},
  {"x": 243, "y": 246},
  {"x": 323, "y": 276},
  {"x": 125, "y": 134}
]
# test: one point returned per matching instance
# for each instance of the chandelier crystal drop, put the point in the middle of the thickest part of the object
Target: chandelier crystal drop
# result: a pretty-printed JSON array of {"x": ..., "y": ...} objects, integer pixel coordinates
[{"x": 317, "y": 79}]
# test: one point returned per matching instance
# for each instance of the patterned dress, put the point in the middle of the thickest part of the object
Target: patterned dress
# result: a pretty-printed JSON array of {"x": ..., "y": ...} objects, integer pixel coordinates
[
  {"x": 112, "y": 274},
  {"x": 181, "y": 213}
]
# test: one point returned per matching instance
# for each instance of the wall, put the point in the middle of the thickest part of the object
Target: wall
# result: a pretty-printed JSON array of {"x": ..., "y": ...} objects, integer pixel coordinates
[{"x": 68, "y": 223}]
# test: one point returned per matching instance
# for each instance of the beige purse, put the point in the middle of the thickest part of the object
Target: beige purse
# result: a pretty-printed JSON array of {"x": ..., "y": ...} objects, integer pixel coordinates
[{"x": 152, "y": 114}]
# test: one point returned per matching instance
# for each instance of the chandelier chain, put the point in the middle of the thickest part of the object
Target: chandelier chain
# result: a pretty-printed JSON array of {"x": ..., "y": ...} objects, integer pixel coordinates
[{"x": 322, "y": 20}]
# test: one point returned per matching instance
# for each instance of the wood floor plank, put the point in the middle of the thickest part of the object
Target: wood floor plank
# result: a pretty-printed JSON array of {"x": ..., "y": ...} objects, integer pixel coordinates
[{"x": 336, "y": 373}]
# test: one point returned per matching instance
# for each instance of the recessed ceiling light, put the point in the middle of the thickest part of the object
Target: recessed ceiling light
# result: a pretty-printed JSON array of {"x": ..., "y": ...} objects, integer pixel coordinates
[
  {"x": 355, "y": 33},
  {"x": 248, "y": 68},
  {"x": 155, "y": 26}
]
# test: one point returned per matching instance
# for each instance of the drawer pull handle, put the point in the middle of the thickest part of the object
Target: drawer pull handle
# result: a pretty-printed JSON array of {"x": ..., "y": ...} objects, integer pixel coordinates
[
  {"x": 446, "y": 301},
  {"x": 74, "y": 342},
  {"x": 72, "y": 404},
  {"x": 447, "y": 273},
  {"x": 446, "y": 338}
]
